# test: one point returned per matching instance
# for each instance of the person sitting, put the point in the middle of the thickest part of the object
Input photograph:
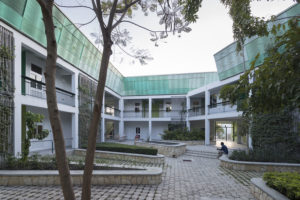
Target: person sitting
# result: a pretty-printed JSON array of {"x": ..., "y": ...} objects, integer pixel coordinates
[{"x": 223, "y": 149}]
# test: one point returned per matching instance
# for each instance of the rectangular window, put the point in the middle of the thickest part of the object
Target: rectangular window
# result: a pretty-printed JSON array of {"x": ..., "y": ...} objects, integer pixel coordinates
[
  {"x": 137, "y": 130},
  {"x": 137, "y": 107},
  {"x": 168, "y": 107},
  {"x": 36, "y": 74}
]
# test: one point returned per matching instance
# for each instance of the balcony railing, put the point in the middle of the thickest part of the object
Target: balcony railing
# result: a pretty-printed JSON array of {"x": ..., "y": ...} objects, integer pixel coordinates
[
  {"x": 38, "y": 89},
  {"x": 197, "y": 111},
  {"x": 134, "y": 114},
  {"x": 221, "y": 107},
  {"x": 112, "y": 111},
  {"x": 174, "y": 114}
]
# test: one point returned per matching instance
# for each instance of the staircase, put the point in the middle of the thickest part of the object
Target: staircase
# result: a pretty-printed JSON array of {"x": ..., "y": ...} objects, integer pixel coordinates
[{"x": 203, "y": 154}]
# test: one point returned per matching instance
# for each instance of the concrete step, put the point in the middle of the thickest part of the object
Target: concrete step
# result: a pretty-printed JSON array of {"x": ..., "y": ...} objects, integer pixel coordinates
[{"x": 204, "y": 154}]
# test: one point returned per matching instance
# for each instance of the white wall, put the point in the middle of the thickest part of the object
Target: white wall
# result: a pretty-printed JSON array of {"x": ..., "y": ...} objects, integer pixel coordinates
[
  {"x": 130, "y": 130},
  {"x": 158, "y": 129},
  {"x": 46, "y": 143}
]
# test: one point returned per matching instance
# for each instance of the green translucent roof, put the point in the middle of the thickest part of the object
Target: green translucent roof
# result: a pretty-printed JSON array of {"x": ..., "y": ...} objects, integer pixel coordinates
[
  {"x": 167, "y": 84},
  {"x": 230, "y": 63},
  {"x": 74, "y": 47}
]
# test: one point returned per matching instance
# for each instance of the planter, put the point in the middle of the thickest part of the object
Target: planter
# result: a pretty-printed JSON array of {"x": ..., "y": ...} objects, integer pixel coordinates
[
  {"x": 169, "y": 149},
  {"x": 147, "y": 176},
  {"x": 261, "y": 191},
  {"x": 258, "y": 166},
  {"x": 151, "y": 159}
]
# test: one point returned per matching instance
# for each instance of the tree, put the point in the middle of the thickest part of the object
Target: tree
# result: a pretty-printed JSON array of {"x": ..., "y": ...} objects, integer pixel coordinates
[
  {"x": 116, "y": 12},
  {"x": 244, "y": 23},
  {"x": 60, "y": 152},
  {"x": 277, "y": 80}
]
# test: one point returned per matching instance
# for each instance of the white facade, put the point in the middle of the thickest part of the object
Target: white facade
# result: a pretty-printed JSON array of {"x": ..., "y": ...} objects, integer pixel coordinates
[{"x": 148, "y": 115}]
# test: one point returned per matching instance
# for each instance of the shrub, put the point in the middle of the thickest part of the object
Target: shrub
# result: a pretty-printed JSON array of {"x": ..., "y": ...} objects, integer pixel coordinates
[
  {"x": 287, "y": 183},
  {"x": 124, "y": 148},
  {"x": 262, "y": 156},
  {"x": 184, "y": 134}
]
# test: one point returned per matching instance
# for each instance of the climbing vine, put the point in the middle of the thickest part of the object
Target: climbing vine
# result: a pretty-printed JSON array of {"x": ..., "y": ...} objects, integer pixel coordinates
[
  {"x": 34, "y": 131},
  {"x": 87, "y": 91},
  {"x": 6, "y": 91}
]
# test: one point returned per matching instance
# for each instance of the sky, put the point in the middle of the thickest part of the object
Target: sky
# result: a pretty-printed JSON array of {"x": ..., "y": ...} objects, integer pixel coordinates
[{"x": 192, "y": 52}]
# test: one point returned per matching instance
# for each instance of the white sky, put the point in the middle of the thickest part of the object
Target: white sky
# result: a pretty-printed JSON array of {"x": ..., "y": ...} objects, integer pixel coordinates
[{"x": 193, "y": 52}]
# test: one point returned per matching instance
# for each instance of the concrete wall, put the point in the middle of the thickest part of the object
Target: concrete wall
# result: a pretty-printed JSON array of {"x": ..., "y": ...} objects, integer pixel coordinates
[
  {"x": 46, "y": 143},
  {"x": 158, "y": 129},
  {"x": 130, "y": 129}
]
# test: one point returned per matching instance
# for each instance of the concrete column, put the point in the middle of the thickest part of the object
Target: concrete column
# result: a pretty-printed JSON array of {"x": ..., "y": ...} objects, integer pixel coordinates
[
  {"x": 102, "y": 129},
  {"x": 103, "y": 119},
  {"x": 207, "y": 122},
  {"x": 121, "y": 122},
  {"x": 75, "y": 136},
  {"x": 188, "y": 106},
  {"x": 150, "y": 131},
  {"x": 17, "y": 143},
  {"x": 75, "y": 117},
  {"x": 150, "y": 118}
]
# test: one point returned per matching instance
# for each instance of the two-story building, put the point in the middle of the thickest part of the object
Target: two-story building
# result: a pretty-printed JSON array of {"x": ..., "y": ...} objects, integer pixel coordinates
[{"x": 143, "y": 105}]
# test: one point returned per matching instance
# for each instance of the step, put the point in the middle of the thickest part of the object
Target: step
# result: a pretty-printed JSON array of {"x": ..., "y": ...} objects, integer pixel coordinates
[{"x": 202, "y": 156}]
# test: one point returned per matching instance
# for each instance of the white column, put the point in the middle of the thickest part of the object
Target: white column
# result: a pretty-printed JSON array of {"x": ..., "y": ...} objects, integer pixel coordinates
[
  {"x": 103, "y": 119},
  {"x": 121, "y": 123},
  {"x": 75, "y": 137},
  {"x": 188, "y": 106},
  {"x": 102, "y": 129},
  {"x": 150, "y": 118},
  {"x": 207, "y": 122},
  {"x": 17, "y": 99},
  {"x": 150, "y": 130},
  {"x": 75, "y": 133}
]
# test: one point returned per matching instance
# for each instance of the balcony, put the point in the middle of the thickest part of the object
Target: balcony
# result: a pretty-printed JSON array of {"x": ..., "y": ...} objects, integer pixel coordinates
[
  {"x": 173, "y": 114},
  {"x": 134, "y": 114},
  {"x": 112, "y": 111},
  {"x": 197, "y": 111},
  {"x": 221, "y": 107},
  {"x": 38, "y": 89}
]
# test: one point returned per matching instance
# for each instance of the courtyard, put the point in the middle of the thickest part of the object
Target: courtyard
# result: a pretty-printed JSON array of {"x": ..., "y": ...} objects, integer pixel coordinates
[{"x": 186, "y": 177}]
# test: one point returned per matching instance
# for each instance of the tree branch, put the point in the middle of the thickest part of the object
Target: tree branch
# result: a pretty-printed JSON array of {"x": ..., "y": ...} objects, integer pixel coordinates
[
  {"x": 81, "y": 6},
  {"x": 127, "y": 6},
  {"x": 98, "y": 11},
  {"x": 112, "y": 15}
]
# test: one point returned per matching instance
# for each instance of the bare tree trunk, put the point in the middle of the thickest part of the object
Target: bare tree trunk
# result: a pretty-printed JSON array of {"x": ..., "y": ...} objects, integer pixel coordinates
[
  {"x": 93, "y": 129},
  {"x": 60, "y": 152}
]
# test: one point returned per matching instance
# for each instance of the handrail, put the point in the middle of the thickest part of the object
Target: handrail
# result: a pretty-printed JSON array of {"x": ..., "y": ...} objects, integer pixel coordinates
[
  {"x": 215, "y": 104},
  {"x": 42, "y": 83}
]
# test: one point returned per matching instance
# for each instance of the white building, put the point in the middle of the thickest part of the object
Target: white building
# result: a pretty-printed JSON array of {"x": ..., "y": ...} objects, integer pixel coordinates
[{"x": 145, "y": 105}]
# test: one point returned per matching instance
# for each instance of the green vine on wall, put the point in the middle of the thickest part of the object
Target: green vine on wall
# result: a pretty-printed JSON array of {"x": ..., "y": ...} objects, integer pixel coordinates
[{"x": 33, "y": 131}]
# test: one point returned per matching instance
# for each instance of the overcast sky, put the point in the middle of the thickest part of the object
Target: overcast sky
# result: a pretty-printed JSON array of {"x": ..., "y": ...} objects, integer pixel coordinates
[{"x": 192, "y": 52}]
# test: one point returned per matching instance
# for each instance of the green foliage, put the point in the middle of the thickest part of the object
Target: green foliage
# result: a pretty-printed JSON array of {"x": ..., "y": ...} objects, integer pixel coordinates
[
  {"x": 6, "y": 53},
  {"x": 191, "y": 7},
  {"x": 124, "y": 148},
  {"x": 287, "y": 183},
  {"x": 184, "y": 134},
  {"x": 277, "y": 80},
  {"x": 33, "y": 132}
]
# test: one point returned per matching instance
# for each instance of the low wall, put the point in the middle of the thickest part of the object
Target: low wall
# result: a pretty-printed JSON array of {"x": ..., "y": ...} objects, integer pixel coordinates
[
  {"x": 148, "y": 176},
  {"x": 170, "y": 150},
  {"x": 261, "y": 191},
  {"x": 158, "y": 159},
  {"x": 258, "y": 166},
  {"x": 191, "y": 142}
]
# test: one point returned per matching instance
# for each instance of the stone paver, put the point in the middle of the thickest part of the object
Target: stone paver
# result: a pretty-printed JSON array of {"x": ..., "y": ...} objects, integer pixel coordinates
[{"x": 201, "y": 179}]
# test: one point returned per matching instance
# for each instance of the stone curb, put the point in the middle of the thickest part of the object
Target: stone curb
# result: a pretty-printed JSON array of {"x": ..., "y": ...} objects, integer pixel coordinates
[
  {"x": 261, "y": 191},
  {"x": 258, "y": 166}
]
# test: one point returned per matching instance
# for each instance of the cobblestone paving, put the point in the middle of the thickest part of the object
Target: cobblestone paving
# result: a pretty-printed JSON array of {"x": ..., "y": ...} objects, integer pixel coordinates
[{"x": 201, "y": 179}]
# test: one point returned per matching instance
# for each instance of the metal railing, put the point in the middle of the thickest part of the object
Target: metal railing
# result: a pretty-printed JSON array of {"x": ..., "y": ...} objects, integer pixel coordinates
[
  {"x": 225, "y": 106},
  {"x": 196, "y": 111},
  {"x": 112, "y": 111},
  {"x": 43, "y": 143},
  {"x": 134, "y": 114},
  {"x": 174, "y": 114},
  {"x": 38, "y": 89}
]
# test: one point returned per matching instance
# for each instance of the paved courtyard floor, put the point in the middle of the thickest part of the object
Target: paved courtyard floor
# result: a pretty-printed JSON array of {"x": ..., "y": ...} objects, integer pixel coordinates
[{"x": 198, "y": 179}]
